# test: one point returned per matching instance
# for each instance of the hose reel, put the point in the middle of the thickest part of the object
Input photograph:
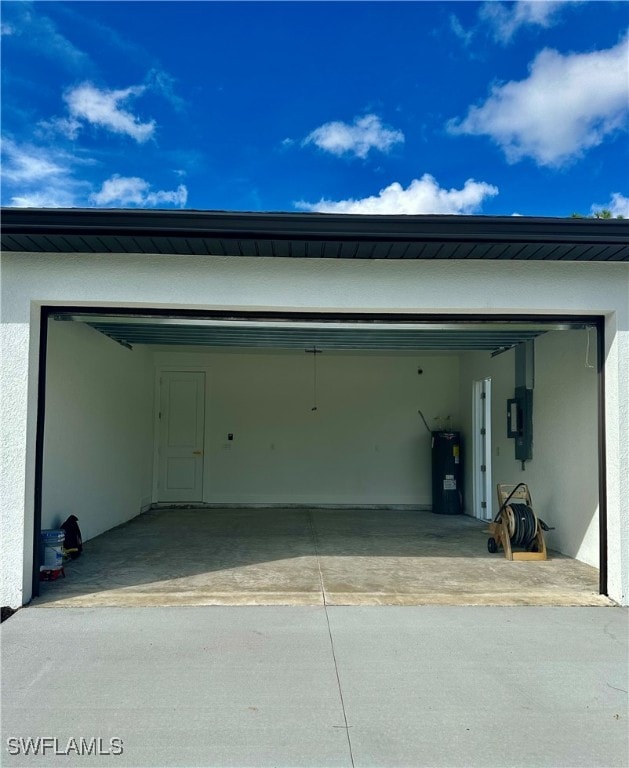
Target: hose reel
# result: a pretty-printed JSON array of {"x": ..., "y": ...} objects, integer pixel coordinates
[
  {"x": 521, "y": 524},
  {"x": 517, "y": 525}
]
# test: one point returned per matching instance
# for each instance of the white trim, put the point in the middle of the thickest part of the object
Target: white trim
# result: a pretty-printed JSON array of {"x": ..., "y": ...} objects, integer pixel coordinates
[{"x": 481, "y": 478}]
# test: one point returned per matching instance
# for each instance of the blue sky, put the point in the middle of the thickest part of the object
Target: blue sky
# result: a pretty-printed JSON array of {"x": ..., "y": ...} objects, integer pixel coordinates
[{"x": 367, "y": 107}]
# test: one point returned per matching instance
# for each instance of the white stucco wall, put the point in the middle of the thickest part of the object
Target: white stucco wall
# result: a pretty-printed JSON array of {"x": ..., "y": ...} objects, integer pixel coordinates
[
  {"x": 365, "y": 444},
  {"x": 563, "y": 474},
  {"x": 29, "y": 280},
  {"x": 98, "y": 435}
]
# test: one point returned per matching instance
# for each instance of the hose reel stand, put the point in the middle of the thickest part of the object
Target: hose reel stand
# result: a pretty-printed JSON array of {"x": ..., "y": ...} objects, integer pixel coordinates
[{"x": 517, "y": 525}]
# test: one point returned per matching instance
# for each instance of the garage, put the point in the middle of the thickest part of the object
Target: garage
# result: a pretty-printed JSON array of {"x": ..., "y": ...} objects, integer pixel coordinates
[
  {"x": 290, "y": 461},
  {"x": 220, "y": 446}
]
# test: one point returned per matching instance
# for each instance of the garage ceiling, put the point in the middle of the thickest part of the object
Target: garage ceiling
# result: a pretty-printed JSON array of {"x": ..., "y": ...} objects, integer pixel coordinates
[{"x": 282, "y": 334}]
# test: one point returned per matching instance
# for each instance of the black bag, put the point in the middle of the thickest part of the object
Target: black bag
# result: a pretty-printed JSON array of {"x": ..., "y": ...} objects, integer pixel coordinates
[{"x": 73, "y": 542}]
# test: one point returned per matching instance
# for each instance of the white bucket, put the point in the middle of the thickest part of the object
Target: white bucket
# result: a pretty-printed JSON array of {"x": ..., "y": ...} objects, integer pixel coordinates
[{"x": 51, "y": 549}]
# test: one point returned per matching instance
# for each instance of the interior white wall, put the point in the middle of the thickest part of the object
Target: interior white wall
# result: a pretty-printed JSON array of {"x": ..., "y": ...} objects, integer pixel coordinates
[
  {"x": 365, "y": 443},
  {"x": 563, "y": 473},
  {"x": 30, "y": 280},
  {"x": 98, "y": 434}
]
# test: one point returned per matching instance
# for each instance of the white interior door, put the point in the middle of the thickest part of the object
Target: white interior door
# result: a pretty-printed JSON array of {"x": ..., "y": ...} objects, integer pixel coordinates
[
  {"x": 181, "y": 422},
  {"x": 482, "y": 450}
]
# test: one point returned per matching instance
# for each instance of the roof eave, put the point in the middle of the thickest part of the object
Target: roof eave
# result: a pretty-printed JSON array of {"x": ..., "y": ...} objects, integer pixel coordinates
[{"x": 312, "y": 227}]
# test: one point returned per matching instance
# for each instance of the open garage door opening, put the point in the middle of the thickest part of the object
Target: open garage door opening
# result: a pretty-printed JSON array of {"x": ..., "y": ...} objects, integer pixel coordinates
[{"x": 221, "y": 459}]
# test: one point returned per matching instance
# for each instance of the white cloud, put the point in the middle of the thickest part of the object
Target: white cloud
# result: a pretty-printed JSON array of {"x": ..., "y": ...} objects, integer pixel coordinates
[
  {"x": 421, "y": 196},
  {"x": 27, "y": 163},
  {"x": 40, "y": 35},
  {"x": 505, "y": 20},
  {"x": 40, "y": 176},
  {"x": 67, "y": 126},
  {"x": 103, "y": 107},
  {"x": 566, "y": 105},
  {"x": 161, "y": 82},
  {"x": 45, "y": 177},
  {"x": 132, "y": 190},
  {"x": 53, "y": 197},
  {"x": 465, "y": 35},
  {"x": 618, "y": 206},
  {"x": 358, "y": 138}
]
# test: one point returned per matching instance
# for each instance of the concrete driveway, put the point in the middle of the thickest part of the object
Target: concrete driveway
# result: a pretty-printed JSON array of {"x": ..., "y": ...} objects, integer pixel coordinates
[{"x": 316, "y": 686}]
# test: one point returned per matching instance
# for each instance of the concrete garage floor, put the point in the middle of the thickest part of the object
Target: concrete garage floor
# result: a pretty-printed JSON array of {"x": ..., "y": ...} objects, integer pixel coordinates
[{"x": 170, "y": 557}]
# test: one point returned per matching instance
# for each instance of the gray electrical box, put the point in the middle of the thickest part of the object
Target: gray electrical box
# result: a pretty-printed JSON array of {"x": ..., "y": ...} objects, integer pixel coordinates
[
  {"x": 520, "y": 422},
  {"x": 520, "y": 407}
]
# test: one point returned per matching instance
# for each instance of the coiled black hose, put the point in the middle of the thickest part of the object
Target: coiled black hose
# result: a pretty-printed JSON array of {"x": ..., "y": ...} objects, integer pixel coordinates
[{"x": 525, "y": 525}]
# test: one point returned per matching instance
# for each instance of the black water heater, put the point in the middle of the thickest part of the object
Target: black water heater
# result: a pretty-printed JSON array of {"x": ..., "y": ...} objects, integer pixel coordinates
[{"x": 447, "y": 473}]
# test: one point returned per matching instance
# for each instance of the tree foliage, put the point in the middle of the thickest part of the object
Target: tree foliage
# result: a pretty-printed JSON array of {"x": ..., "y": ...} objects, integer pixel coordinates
[{"x": 604, "y": 213}]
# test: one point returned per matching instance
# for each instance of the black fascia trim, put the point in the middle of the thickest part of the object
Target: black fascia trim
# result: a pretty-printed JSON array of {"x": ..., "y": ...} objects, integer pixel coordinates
[
  {"x": 312, "y": 226},
  {"x": 39, "y": 443}
]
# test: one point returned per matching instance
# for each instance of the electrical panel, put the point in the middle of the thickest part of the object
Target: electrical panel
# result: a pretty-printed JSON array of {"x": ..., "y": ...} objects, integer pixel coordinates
[
  {"x": 520, "y": 423},
  {"x": 520, "y": 407}
]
